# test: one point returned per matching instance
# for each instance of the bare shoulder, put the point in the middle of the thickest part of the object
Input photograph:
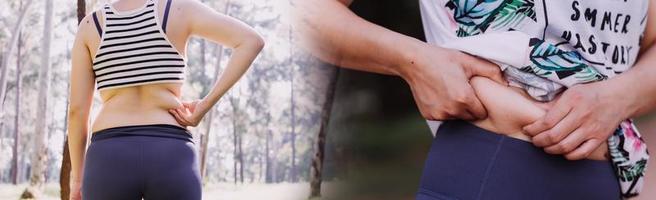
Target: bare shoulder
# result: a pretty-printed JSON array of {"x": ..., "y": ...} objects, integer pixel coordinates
[
  {"x": 192, "y": 12},
  {"x": 87, "y": 34},
  {"x": 186, "y": 5},
  {"x": 191, "y": 7},
  {"x": 185, "y": 10},
  {"x": 86, "y": 26}
]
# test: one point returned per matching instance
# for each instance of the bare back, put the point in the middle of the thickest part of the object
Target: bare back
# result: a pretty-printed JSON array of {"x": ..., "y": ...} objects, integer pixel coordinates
[{"x": 142, "y": 104}]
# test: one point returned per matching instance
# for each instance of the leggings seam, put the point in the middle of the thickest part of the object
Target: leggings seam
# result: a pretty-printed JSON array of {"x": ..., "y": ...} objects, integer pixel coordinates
[
  {"x": 142, "y": 169},
  {"x": 435, "y": 195},
  {"x": 489, "y": 167}
]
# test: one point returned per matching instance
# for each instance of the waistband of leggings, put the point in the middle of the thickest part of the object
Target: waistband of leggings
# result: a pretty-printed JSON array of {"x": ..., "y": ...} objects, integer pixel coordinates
[
  {"x": 461, "y": 130},
  {"x": 155, "y": 130},
  {"x": 473, "y": 131}
]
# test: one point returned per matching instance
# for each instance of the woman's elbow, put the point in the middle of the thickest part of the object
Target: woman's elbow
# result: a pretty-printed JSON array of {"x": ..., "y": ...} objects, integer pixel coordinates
[
  {"x": 251, "y": 43},
  {"x": 252, "y": 40},
  {"x": 77, "y": 113},
  {"x": 257, "y": 42}
]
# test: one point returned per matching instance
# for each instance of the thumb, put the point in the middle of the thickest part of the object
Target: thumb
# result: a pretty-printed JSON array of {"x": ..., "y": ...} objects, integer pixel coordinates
[
  {"x": 480, "y": 67},
  {"x": 474, "y": 105}
]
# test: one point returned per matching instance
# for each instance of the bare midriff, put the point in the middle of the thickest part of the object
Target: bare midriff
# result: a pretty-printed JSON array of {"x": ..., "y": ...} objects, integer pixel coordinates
[
  {"x": 138, "y": 105},
  {"x": 510, "y": 108}
]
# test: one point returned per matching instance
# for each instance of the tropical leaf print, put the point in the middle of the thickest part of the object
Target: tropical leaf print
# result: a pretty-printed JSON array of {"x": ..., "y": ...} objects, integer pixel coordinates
[
  {"x": 471, "y": 15},
  {"x": 565, "y": 67},
  {"x": 476, "y": 16},
  {"x": 514, "y": 13},
  {"x": 629, "y": 157},
  {"x": 632, "y": 172}
]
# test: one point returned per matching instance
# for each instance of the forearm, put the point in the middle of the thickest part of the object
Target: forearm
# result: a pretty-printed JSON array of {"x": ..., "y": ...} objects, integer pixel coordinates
[
  {"x": 333, "y": 33},
  {"x": 77, "y": 143},
  {"x": 240, "y": 60},
  {"x": 637, "y": 86}
]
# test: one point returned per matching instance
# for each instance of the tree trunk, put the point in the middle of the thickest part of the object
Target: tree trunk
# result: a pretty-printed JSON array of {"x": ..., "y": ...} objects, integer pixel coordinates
[
  {"x": 37, "y": 178},
  {"x": 210, "y": 117},
  {"x": 238, "y": 164},
  {"x": 293, "y": 171},
  {"x": 268, "y": 178},
  {"x": 81, "y": 10},
  {"x": 14, "y": 163},
  {"x": 4, "y": 66},
  {"x": 260, "y": 162},
  {"x": 241, "y": 158},
  {"x": 2, "y": 137},
  {"x": 317, "y": 161},
  {"x": 204, "y": 142},
  {"x": 205, "y": 138},
  {"x": 1, "y": 60},
  {"x": 235, "y": 152},
  {"x": 65, "y": 172}
]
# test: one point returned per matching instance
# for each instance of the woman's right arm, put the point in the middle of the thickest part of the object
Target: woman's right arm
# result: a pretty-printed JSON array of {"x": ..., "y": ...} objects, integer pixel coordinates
[
  {"x": 81, "y": 96},
  {"x": 244, "y": 41},
  {"x": 438, "y": 77}
]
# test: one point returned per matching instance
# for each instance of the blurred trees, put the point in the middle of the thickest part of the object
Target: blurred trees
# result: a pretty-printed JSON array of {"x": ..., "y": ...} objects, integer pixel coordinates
[
  {"x": 39, "y": 159},
  {"x": 14, "y": 155},
  {"x": 23, "y": 9},
  {"x": 250, "y": 136}
]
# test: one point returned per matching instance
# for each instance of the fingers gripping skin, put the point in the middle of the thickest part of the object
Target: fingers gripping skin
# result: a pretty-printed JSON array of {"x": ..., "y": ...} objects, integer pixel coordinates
[
  {"x": 475, "y": 66},
  {"x": 442, "y": 89},
  {"x": 581, "y": 119},
  {"x": 190, "y": 113},
  {"x": 509, "y": 109}
]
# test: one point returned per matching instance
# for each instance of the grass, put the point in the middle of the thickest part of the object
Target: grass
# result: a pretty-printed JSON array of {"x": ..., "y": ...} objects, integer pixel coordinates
[
  {"x": 247, "y": 191},
  {"x": 10, "y": 192}
]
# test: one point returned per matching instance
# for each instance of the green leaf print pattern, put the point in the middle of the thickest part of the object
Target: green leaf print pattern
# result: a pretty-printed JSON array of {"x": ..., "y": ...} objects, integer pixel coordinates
[
  {"x": 476, "y": 16},
  {"x": 513, "y": 13},
  {"x": 564, "y": 67},
  {"x": 630, "y": 156}
]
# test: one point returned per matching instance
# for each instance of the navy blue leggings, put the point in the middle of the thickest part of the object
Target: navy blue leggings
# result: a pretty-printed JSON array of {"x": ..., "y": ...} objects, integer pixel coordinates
[
  {"x": 144, "y": 161},
  {"x": 466, "y": 162}
]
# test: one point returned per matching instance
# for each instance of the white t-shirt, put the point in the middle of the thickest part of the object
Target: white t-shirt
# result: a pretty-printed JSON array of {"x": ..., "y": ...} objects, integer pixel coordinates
[{"x": 602, "y": 33}]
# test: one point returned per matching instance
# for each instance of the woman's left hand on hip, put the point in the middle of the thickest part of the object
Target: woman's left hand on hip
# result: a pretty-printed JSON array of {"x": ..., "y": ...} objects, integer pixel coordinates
[{"x": 190, "y": 113}]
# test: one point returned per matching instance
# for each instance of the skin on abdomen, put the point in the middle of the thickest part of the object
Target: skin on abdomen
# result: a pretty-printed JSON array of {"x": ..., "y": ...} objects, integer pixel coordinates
[
  {"x": 144, "y": 104},
  {"x": 509, "y": 109}
]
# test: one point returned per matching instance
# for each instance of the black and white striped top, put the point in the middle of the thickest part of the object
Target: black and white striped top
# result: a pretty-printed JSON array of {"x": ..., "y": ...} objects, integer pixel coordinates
[{"x": 134, "y": 49}]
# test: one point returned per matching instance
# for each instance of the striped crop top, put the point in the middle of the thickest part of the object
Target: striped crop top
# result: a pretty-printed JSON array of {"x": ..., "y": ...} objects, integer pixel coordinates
[{"x": 134, "y": 49}]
